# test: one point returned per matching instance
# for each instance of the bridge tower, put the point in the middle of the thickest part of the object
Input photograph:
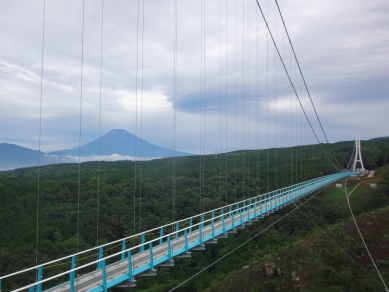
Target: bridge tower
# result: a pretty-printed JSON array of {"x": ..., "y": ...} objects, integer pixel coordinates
[{"x": 358, "y": 156}]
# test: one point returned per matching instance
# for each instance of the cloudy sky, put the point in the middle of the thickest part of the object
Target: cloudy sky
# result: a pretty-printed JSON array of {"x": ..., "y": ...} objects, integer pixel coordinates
[{"x": 224, "y": 85}]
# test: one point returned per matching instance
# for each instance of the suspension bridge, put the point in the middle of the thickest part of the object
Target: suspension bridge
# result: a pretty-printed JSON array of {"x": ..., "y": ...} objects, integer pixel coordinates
[
  {"x": 159, "y": 251},
  {"x": 101, "y": 270}
]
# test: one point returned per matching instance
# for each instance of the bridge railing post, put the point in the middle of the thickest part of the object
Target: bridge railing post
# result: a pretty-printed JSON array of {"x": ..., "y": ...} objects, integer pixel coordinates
[
  {"x": 275, "y": 198},
  {"x": 104, "y": 277},
  {"x": 100, "y": 257},
  {"x": 292, "y": 191},
  {"x": 160, "y": 235},
  {"x": 190, "y": 224},
  {"x": 129, "y": 266},
  {"x": 123, "y": 256},
  {"x": 186, "y": 241},
  {"x": 281, "y": 200},
  {"x": 275, "y": 195},
  {"x": 287, "y": 193},
  {"x": 201, "y": 234},
  {"x": 151, "y": 256},
  {"x": 142, "y": 247},
  {"x": 72, "y": 275},
  {"x": 269, "y": 201},
  {"x": 177, "y": 228},
  {"x": 290, "y": 194},
  {"x": 232, "y": 217},
  {"x": 213, "y": 224},
  {"x": 222, "y": 219},
  {"x": 39, "y": 278},
  {"x": 282, "y": 195},
  {"x": 298, "y": 191},
  {"x": 248, "y": 210},
  {"x": 169, "y": 249},
  {"x": 241, "y": 215},
  {"x": 255, "y": 207}
]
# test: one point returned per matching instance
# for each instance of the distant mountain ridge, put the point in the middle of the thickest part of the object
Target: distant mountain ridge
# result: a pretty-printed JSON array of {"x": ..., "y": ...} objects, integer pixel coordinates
[
  {"x": 379, "y": 138},
  {"x": 13, "y": 156},
  {"x": 117, "y": 144}
]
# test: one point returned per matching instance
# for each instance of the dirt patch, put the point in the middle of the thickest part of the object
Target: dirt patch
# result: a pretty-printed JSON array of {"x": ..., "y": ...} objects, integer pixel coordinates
[{"x": 365, "y": 184}]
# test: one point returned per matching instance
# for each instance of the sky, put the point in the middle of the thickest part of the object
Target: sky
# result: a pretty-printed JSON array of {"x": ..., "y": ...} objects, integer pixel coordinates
[{"x": 204, "y": 76}]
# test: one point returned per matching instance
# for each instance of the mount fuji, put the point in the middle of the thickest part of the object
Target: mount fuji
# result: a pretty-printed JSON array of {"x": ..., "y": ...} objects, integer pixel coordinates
[{"x": 122, "y": 143}]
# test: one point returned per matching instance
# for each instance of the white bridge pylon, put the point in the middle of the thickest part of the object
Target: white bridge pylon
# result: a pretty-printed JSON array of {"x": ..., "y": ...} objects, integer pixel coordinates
[{"x": 358, "y": 156}]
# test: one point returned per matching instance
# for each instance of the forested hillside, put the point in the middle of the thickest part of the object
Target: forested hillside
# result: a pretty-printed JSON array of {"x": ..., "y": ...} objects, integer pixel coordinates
[{"x": 111, "y": 195}]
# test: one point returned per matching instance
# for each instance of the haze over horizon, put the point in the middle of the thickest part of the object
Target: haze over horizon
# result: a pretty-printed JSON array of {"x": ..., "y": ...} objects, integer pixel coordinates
[{"x": 342, "y": 47}]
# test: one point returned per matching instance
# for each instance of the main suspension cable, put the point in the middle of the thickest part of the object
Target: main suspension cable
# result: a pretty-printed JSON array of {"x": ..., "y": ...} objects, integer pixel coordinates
[{"x": 286, "y": 71}]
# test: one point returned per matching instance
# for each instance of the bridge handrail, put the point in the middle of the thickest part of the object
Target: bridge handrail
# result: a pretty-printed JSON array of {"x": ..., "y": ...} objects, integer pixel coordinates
[{"x": 301, "y": 184}]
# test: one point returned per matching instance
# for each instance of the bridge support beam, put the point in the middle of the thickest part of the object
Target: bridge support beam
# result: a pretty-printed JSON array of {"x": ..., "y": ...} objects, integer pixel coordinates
[
  {"x": 167, "y": 264},
  {"x": 200, "y": 247},
  {"x": 185, "y": 255},
  {"x": 148, "y": 273},
  {"x": 126, "y": 284}
]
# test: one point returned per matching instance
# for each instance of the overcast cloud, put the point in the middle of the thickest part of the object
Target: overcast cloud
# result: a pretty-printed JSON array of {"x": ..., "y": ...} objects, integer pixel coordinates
[{"x": 342, "y": 47}]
